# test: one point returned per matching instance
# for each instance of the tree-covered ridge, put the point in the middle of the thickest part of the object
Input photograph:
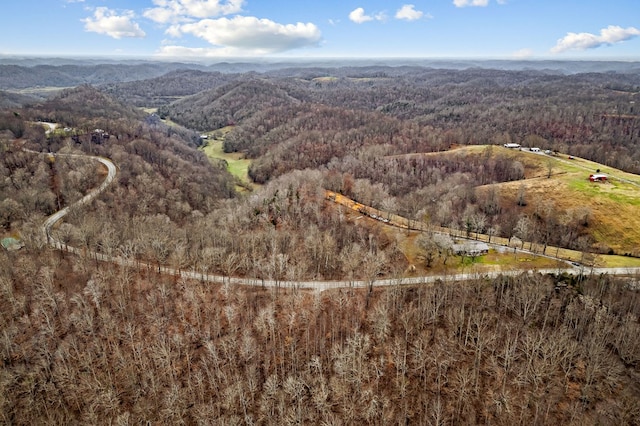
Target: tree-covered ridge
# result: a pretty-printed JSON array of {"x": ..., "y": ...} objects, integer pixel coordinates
[
  {"x": 81, "y": 104},
  {"x": 165, "y": 89},
  {"x": 226, "y": 105},
  {"x": 592, "y": 115}
]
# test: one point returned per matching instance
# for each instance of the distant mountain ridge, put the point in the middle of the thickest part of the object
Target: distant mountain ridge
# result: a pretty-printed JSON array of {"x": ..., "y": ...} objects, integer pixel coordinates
[
  {"x": 23, "y": 72},
  {"x": 21, "y": 77},
  {"x": 165, "y": 89}
]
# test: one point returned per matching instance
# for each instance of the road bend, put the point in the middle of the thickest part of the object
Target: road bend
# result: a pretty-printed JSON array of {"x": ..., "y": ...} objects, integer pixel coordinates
[{"x": 52, "y": 220}]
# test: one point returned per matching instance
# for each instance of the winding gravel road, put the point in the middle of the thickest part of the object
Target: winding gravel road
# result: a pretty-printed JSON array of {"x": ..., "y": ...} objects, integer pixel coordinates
[
  {"x": 54, "y": 218},
  {"x": 315, "y": 285}
]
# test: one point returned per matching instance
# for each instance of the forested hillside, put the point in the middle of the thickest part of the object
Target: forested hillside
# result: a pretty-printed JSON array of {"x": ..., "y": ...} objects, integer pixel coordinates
[
  {"x": 166, "y": 88},
  {"x": 83, "y": 106},
  {"x": 84, "y": 341},
  {"x": 15, "y": 100},
  {"x": 153, "y": 159},
  {"x": 91, "y": 343},
  {"x": 590, "y": 115},
  {"x": 226, "y": 105}
]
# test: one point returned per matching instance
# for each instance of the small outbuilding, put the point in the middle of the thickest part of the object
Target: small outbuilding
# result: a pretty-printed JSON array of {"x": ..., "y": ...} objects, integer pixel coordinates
[{"x": 599, "y": 177}]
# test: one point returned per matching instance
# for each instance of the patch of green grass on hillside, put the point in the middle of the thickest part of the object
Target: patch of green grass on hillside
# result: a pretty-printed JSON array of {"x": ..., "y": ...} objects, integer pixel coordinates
[
  {"x": 624, "y": 199},
  {"x": 615, "y": 261},
  {"x": 237, "y": 165},
  {"x": 619, "y": 192},
  {"x": 584, "y": 186}
]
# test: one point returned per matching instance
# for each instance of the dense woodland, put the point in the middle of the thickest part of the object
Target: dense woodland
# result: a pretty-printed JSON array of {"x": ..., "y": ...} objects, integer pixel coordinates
[
  {"x": 89, "y": 342},
  {"x": 589, "y": 115},
  {"x": 351, "y": 121}
]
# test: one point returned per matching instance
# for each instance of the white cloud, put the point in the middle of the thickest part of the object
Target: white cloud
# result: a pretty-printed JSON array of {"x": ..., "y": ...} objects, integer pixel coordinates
[
  {"x": 181, "y": 10},
  {"x": 108, "y": 22},
  {"x": 409, "y": 13},
  {"x": 174, "y": 31},
  {"x": 250, "y": 34},
  {"x": 358, "y": 16},
  {"x": 174, "y": 51},
  {"x": 523, "y": 53},
  {"x": 161, "y": 15},
  {"x": 465, "y": 3},
  {"x": 582, "y": 41},
  {"x": 236, "y": 36}
]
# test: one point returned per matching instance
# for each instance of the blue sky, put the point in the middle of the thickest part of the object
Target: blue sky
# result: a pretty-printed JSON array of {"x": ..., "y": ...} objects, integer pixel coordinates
[{"x": 505, "y": 29}]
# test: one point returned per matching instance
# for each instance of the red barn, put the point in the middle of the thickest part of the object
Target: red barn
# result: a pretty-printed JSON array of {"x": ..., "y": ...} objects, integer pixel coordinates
[{"x": 598, "y": 178}]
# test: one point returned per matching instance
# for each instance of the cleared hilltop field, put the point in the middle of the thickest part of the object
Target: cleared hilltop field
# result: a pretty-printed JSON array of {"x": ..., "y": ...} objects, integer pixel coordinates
[{"x": 612, "y": 208}]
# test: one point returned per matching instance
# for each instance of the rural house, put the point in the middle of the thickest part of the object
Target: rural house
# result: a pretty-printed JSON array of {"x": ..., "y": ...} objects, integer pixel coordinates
[{"x": 470, "y": 248}]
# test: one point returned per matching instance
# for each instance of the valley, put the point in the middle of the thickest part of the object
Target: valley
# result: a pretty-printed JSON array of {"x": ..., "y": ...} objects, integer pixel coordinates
[{"x": 265, "y": 244}]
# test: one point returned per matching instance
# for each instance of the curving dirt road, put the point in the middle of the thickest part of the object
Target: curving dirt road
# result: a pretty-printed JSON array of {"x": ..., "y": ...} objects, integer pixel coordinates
[
  {"x": 315, "y": 285},
  {"x": 54, "y": 218}
]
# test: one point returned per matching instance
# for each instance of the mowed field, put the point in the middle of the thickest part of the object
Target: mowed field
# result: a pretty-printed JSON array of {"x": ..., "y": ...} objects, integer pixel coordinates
[
  {"x": 613, "y": 206},
  {"x": 237, "y": 165}
]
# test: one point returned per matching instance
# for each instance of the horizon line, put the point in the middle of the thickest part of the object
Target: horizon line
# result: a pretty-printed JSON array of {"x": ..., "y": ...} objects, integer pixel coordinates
[{"x": 156, "y": 58}]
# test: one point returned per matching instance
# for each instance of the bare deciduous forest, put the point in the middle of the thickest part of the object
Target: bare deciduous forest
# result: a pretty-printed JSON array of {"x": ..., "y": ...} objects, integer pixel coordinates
[
  {"x": 96, "y": 344},
  {"x": 89, "y": 342}
]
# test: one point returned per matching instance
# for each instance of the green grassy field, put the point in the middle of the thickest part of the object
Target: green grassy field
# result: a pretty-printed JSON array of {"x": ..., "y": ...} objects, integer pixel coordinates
[
  {"x": 237, "y": 165},
  {"x": 613, "y": 206}
]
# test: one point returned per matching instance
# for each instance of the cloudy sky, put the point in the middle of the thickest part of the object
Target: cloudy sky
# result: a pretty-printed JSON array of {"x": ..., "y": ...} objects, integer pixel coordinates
[{"x": 560, "y": 29}]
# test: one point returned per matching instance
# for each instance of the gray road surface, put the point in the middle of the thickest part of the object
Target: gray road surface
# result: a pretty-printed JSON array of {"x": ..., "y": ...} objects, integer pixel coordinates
[{"x": 271, "y": 283}]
